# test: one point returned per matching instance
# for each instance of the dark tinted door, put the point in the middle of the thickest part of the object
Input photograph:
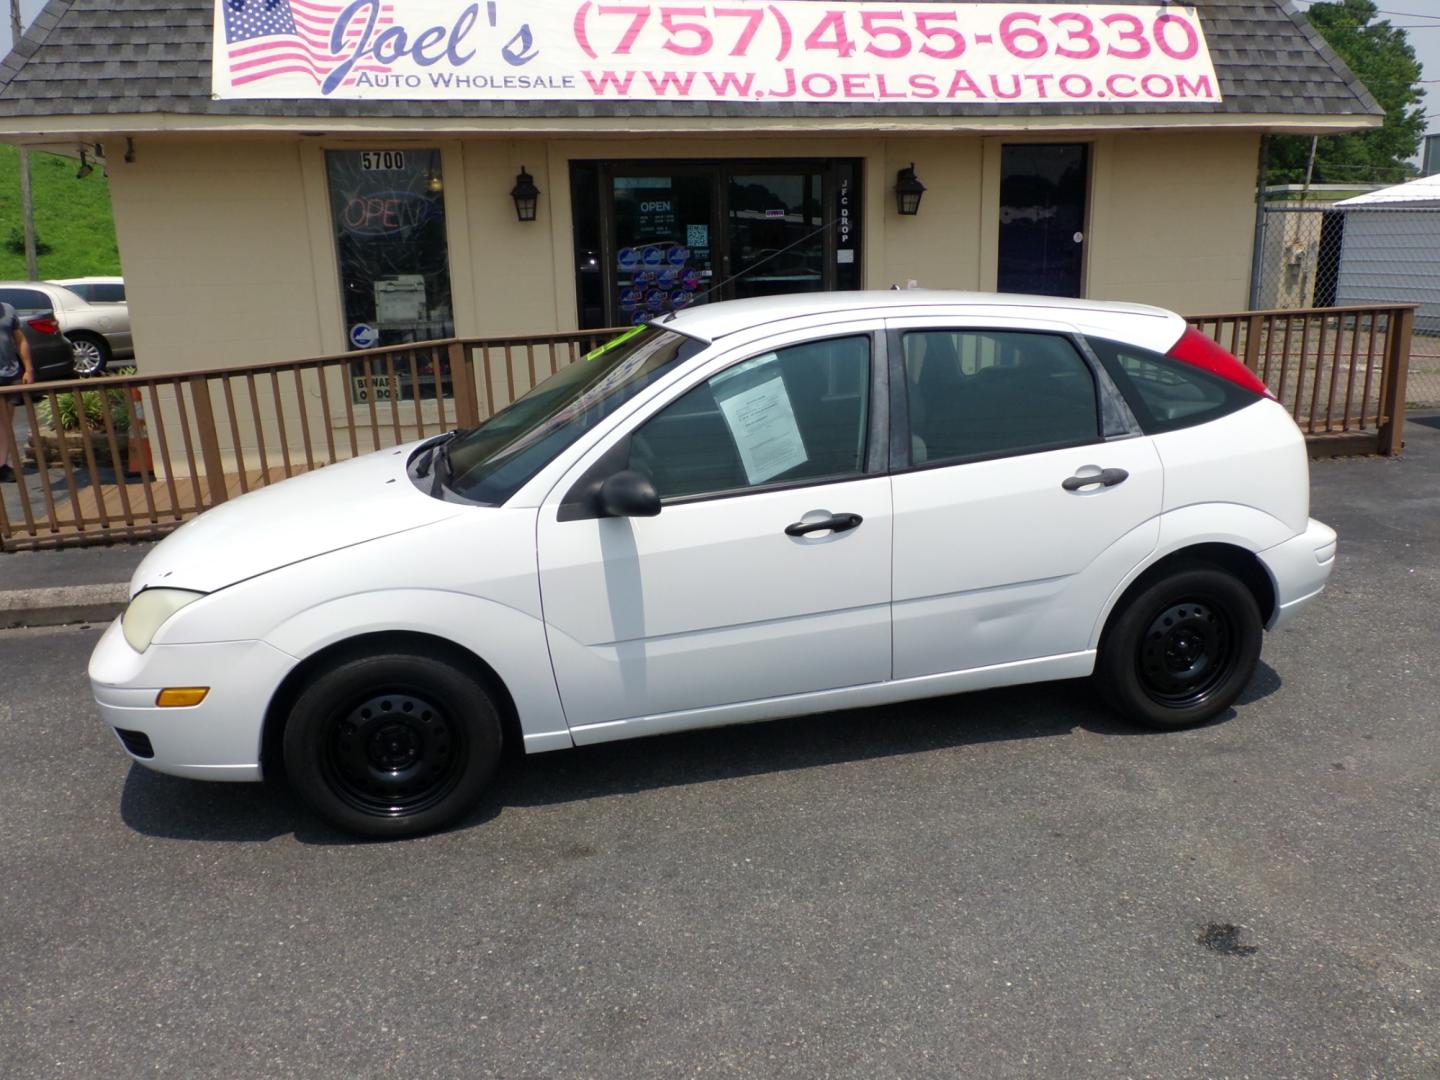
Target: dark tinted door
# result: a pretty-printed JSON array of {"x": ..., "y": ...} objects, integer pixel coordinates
[{"x": 1043, "y": 190}]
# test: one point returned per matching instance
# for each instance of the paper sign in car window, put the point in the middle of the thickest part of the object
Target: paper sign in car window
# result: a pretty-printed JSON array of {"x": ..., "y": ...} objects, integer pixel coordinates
[{"x": 762, "y": 423}]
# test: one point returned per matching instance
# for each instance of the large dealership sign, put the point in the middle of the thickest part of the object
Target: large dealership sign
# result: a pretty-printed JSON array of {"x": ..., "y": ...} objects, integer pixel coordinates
[{"x": 736, "y": 50}]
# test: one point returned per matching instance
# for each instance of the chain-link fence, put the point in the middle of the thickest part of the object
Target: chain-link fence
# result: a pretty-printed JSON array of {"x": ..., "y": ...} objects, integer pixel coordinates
[{"x": 1311, "y": 255}]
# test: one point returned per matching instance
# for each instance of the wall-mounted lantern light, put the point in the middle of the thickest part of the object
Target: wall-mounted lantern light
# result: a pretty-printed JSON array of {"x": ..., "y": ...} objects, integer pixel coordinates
[
  {"x": 908, "y": 190},
  {"x": 526, "y": 196}
]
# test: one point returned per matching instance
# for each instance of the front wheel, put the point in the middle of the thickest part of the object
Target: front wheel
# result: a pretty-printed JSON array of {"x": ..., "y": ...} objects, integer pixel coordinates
[
  {"x": 1182, "y": 650},
  {"x": 392, "y": 745}
]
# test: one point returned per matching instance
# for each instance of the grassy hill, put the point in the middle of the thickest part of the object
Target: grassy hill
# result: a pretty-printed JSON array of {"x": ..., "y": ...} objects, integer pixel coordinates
[{"x": 71, "y": 216}]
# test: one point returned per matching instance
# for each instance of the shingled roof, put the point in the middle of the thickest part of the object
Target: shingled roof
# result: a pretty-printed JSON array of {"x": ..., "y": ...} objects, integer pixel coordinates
[{"x": 114, "y": 57}]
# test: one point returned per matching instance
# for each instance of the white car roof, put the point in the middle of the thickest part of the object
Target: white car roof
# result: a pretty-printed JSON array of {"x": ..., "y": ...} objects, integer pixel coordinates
[{"x": 1130, "y": 321}]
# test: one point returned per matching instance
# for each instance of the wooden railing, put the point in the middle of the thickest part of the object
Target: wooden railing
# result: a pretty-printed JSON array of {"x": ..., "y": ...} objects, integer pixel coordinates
[
  {"x": 1340, "y": 371},
  {"x": 159, "y": 449}
]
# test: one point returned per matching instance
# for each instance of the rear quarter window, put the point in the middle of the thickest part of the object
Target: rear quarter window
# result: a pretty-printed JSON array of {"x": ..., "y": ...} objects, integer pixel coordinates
[{"x": 1166, "y": 394}]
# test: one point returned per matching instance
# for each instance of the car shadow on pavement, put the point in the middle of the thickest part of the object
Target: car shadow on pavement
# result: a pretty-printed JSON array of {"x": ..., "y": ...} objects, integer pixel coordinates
[{"x": 172, "y": 808}]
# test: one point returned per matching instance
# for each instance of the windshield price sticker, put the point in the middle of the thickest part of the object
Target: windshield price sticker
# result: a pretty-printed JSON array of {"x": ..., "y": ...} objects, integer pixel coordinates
[{"x": 740, "y": 51}]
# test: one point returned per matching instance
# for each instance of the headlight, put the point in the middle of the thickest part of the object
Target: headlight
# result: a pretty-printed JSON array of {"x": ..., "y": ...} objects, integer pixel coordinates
[{"x": 148, "y": 612}]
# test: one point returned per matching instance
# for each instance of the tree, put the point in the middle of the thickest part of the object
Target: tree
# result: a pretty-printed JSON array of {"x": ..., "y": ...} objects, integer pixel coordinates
[{"x": 1383, "y": 59}]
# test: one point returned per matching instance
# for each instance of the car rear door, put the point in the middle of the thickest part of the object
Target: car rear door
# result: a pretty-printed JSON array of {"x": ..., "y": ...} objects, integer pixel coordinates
[
  {"x": 767, "y": 571},
  {"x": 1023, "y": 494}
]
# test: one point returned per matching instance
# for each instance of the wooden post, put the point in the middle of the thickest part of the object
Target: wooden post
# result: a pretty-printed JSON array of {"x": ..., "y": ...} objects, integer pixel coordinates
[
  {"x": 462, "y": 383},
  {"x": 1393, "y": 379},
  {"x": 1254, "y": 330},
  {"x": 209, "y": 439}
]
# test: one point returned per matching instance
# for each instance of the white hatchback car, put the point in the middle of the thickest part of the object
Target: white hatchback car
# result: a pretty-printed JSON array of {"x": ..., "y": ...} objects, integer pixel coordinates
[{"x": 746, "y": 510}]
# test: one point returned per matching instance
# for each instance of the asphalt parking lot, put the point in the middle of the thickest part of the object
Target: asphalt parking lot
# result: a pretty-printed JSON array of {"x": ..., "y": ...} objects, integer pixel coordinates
[{"x": 1004, "y": 884}]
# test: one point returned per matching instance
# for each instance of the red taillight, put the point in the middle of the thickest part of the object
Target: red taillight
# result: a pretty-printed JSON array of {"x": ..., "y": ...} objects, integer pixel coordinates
[
  {"x": 1195, "y": 348},
  {"x": 44, "y": 324}
]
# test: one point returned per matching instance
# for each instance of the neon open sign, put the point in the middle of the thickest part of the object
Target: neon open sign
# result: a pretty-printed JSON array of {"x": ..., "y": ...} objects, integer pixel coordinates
[{"x": 386, "y": 213}]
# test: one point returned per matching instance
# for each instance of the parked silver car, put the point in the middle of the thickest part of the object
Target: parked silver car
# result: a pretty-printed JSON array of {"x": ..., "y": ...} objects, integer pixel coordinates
[
  {"x": 98, "y": 333},
  {"x": 95, "y": 290}
]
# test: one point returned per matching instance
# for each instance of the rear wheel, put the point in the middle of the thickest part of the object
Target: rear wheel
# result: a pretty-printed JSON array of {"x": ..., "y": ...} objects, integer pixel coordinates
[
  {"x": 392, "y": 745},
  {"x": 90, "y": 353},
  {"x": 1182, "y": 650}
]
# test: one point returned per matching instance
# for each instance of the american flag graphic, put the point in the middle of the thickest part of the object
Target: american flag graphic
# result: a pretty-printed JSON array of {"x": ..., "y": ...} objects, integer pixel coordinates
[{"x": 269, "y": 38}]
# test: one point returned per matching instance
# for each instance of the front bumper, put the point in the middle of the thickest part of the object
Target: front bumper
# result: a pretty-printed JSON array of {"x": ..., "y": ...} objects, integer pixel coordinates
[
  {"x": 219, "y": 739},
  {"x": 1299, "y": 567}
]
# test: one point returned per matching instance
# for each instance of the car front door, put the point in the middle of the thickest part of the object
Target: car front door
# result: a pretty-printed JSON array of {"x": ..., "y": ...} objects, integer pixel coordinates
[
  {"x": 766, "y": 572},
  {"x": 1027, "y": 496}
]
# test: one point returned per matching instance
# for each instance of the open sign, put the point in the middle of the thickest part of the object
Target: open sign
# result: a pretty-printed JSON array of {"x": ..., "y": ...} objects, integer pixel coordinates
[{"x": 386, "y": 213}]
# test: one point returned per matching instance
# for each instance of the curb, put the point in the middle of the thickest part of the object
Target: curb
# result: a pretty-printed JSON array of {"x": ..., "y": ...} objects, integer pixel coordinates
[{"x": 62, "y": 605}]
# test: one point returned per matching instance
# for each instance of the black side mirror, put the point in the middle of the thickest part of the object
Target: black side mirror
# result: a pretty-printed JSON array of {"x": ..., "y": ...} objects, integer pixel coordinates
[{"x": 627, "y": 493}]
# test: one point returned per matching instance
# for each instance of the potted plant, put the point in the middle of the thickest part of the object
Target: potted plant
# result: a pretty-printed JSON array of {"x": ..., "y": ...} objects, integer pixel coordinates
[{"x": 78, "y": 418}]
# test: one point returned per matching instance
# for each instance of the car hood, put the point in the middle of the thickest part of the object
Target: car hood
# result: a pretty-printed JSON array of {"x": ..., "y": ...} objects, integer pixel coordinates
[{"x": 331, "y": 508}]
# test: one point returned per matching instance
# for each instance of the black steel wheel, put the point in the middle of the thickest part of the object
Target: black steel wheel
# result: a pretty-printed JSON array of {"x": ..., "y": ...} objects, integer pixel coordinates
[
  {"x": 1181, "y": 650},
  {"x": 392, "y": 745}
]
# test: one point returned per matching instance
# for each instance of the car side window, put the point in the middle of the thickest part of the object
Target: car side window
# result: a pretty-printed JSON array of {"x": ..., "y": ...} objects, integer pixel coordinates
[
  {"x": 105, "y": 293},
  {"x": 1167, "y": 394},
  {"x": 795, "y": 414},
  {"x": 983, "y": 393},
  {"x": 25, "y": 299}
]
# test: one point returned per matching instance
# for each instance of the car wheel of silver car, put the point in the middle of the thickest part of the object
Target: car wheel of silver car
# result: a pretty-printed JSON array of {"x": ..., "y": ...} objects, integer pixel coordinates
[
  {"x": 91, "y": 354},
  {"x": 1181, "y": 650},
  {"x": 392, "y": 745}
]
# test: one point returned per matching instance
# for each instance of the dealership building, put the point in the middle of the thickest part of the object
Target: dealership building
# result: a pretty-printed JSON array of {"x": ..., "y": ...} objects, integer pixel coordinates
[{"x": 295, "y": 179}]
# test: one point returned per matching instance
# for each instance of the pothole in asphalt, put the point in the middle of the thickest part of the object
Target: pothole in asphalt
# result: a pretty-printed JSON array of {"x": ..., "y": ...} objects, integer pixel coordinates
[{"x": 1227, "y": 939}]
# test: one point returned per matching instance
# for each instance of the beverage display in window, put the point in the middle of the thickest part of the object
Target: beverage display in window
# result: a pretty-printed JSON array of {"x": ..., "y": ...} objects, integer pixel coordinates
[
  {"x": 663, "y": 258},
  {"x": 653, "y": 237}
]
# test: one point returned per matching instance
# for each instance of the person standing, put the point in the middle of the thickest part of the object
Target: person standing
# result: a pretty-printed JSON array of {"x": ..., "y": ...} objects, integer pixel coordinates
[{"x": 15, "y": 367}]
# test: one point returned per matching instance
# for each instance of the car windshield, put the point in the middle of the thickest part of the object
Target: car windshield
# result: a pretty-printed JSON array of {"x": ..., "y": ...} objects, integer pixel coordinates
[{"x": 490, "y": 463}]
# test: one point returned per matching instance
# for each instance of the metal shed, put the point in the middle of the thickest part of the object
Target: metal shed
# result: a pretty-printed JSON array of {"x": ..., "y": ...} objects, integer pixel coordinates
[{"x": 1391, "y": 249}]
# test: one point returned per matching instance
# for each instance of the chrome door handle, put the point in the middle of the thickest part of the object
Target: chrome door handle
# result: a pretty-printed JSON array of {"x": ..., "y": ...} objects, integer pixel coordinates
[{"x": 1105, "y": 478}]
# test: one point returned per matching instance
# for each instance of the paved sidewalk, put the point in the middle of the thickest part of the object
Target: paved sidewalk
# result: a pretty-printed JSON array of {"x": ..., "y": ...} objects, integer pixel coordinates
[{"x": 53, "y": 588}]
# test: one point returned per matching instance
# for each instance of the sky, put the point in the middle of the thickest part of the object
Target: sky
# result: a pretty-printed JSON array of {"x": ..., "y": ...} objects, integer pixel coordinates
[{"x": 1420, "y": 18}]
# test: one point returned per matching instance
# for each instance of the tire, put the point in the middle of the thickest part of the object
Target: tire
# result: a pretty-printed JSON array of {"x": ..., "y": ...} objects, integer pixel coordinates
[
  {"x": 1182, "y": 650},
  {"x": 90, "y": 353},
  {"x": 392, "y": 745}
]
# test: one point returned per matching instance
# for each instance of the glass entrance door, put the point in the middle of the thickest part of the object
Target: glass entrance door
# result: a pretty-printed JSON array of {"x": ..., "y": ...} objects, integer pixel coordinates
[
  {"x": 663, "y": 241},
  {"x": 652, "y": 237},
  {"x": 1043, "y": 190},
  {"x": 777, "y": 241}
]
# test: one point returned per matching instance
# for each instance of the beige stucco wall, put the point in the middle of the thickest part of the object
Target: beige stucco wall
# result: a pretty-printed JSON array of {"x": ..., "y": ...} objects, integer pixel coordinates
[
  {"x": 213, "y": 241},
  {"x": 228, "y": 252},
  {"x": 1173, "y": 219}
]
